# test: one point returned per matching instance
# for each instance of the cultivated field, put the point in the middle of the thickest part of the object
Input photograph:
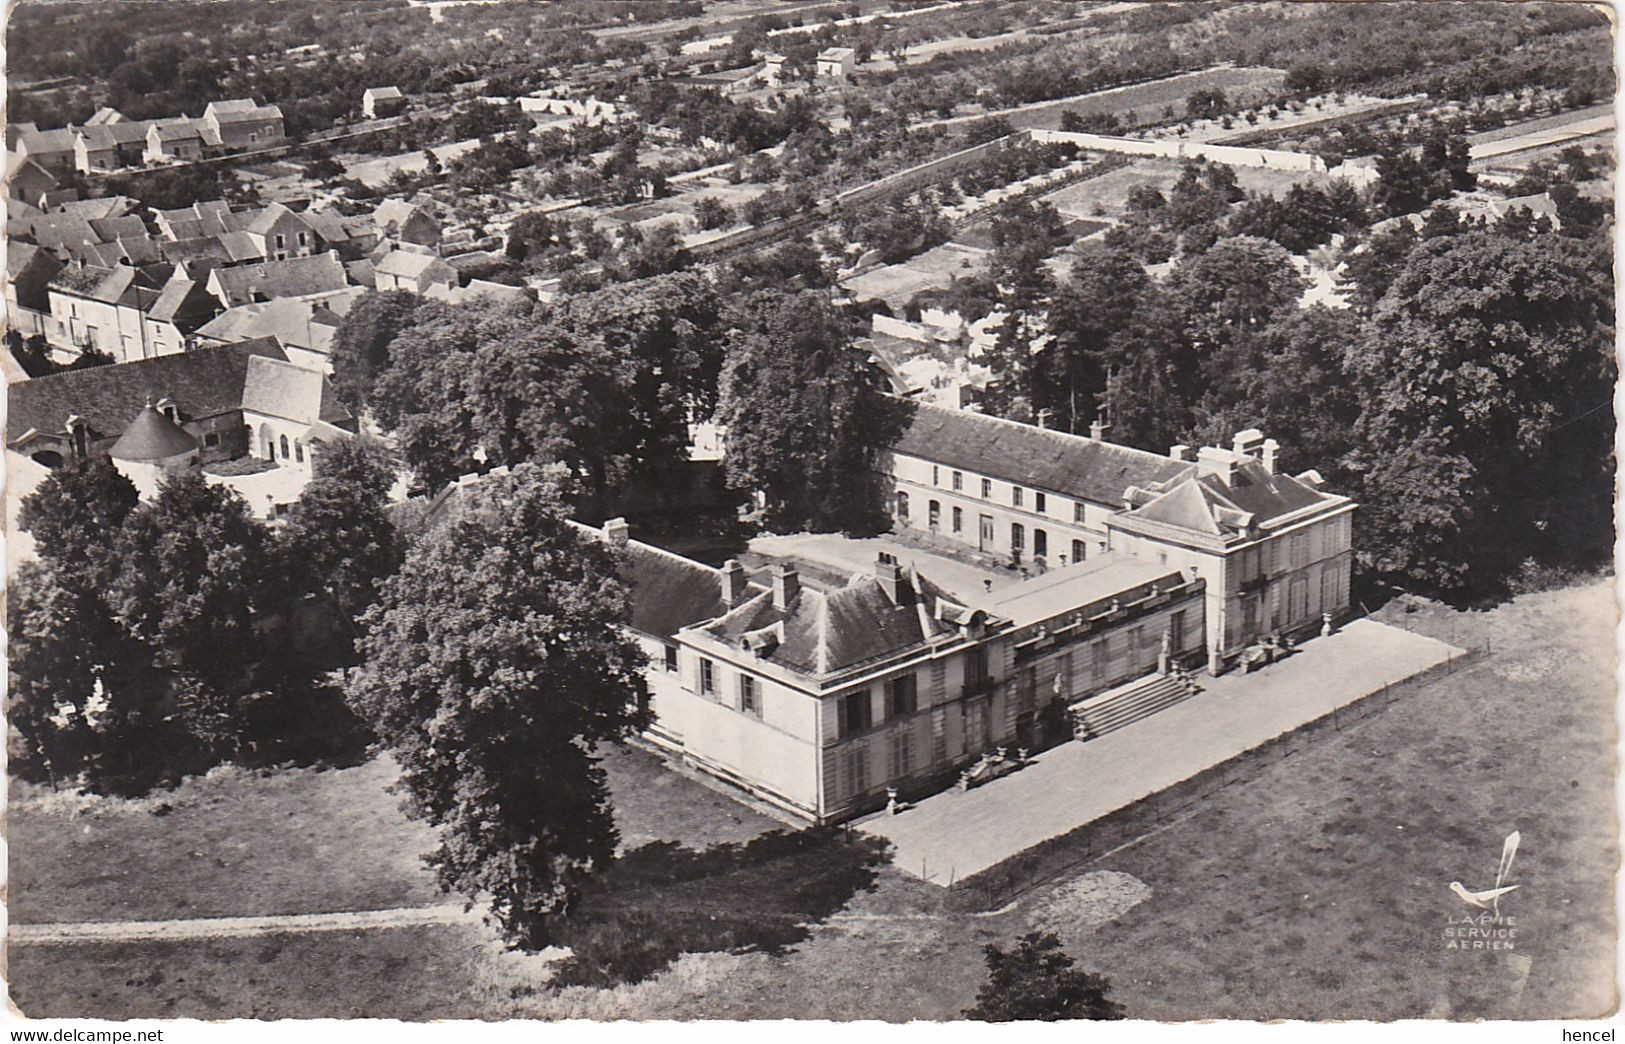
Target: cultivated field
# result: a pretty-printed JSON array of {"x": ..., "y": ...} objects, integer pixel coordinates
[
  {"x": 378, "y": 170},
  {"x": 1106, "y": 195},
  {"x": 1139, "y": 103},
  {"x": 1316, "y": 889}
]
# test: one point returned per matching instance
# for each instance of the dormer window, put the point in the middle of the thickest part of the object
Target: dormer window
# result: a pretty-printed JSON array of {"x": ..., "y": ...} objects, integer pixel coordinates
[
  {"x": 168, "y": 408},
  {"x": 79, "y": 435}
]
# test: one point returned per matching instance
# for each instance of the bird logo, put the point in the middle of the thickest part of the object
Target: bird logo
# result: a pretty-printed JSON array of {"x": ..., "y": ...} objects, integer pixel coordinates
[{"x": 1490, "y": 898}]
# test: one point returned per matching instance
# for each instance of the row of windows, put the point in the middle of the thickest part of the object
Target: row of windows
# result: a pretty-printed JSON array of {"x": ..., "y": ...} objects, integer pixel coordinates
[
  {"x": 1018, "y": 495},
  {"x": 748, "y": 694},
  {"x": 854, "y": 712},
  {"x": 1018, "y": 532}
]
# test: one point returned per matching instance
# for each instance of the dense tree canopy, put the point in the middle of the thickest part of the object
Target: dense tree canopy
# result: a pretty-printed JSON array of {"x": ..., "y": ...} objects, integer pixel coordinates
[
  {"x": 1488, "y": 368},
  {"x": 805, "y": 411},
  {"x": 361, "y": 342},
  {"x": 494, "y": 662},
  {"x": 339, "y": 540}
]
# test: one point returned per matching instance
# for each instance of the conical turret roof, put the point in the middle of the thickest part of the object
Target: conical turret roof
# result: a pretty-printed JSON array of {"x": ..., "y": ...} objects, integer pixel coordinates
[{"x": 152, "y": 436}]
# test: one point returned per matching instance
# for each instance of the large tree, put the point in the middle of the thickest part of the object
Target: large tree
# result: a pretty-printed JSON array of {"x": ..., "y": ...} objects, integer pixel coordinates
[
  {"x": 1489, "y": 365},
  {"x": 422, "y": 395},
  {"x": 1037, "y": 982},
  {"x": 1287, "y": 380},
  {"x": 339, "y": 540},
  {"x": 361, "y": 342},
  {"x": 83, "y": 696},
  {"x": 1090, "y": 323},
  {"x": 74, "y": 516},
  {"x": 495, "y": 661},
  {"x": 1235, "y": 286},
  {"x": 193, "y": 565},
  {"x": 806, "y": 415}
]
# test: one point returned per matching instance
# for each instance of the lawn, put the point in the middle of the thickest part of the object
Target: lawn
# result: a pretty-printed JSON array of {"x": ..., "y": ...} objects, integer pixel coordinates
[
  {"x": 1107, "y": 194},
  {"x": 230, "y": 843},
  {"x": 1316, "y": 889}
]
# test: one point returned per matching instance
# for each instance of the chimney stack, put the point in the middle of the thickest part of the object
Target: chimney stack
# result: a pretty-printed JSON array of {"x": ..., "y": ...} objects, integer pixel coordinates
[
  {"x": 1248, "y": 443},
  {"x": 1179, "y": 452},
  {"x": 733, "y": 582},
  {"x": 1097, "y": 430},
  {"x": 890, "y": 577},
  {"x": 1271, "y": 450},
  {"x": 617, "y": 532},
  {"x": 786, "y": 586},
  {"x": 1219, "y": 463}
]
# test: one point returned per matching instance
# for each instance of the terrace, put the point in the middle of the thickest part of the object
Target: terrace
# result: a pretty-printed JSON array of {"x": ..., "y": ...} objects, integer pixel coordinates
[{"x": 950, "y": 836}]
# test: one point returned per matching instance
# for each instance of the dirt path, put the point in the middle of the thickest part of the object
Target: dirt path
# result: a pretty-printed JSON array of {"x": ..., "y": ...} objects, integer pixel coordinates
[{"x": 238, "y": 927}]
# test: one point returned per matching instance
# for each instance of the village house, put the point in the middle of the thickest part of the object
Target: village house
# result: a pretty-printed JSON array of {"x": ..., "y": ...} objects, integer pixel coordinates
[
  {"x": 27, "y": 180},
  {"x": 728, "y": 82},
  {"x": 401, "y": 222},
  {"x": 1275, "y": 550},
  {"x": 280, "y": 233},
  {"x": 206, "y": 218},
  {"x": 378, "y": 102},
  {"x": 179, "y": 142},
  {"x": 836, "y": 63},
  {"x": 110, "y": 146},
  {"x": 183, "y": 306},
  {"x": 353, "y": 237},
  {"x": 290, "y": 411},
  {"x": 243, "y": 123},
  {"x": 409, "y": 270},
  {"x": 274, "y": 232},
  {"x": 29, "y": 271},
  {"x": 51, "y": 149},
  {"x": 102, "y": 309},
  {"x": 304, "y": 328},
  {"x": 268, "y": 280}
]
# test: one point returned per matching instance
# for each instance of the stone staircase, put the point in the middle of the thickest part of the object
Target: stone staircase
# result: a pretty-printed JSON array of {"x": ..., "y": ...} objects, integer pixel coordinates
[{"x": 1129, "y": 703}]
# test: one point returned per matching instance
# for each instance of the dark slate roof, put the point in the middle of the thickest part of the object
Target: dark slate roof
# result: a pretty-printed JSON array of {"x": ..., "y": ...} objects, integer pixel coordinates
[
  {"x": 294, "y": 277},
  {"x": 111, "y": 228},
  {"x": 82, "y": 279},
  {"x": 111, "y": 135},
  {"x": 1071, "y": 465},
  {"x": 19, "y": 256},
  {"x": 1265, "y": 496},
  {"x": 1213, "y": 508},
  {"x": 152, "y": 436},
  {"x": 197, "y": 248},
  {"x": 829, "y": 632},
  {"x": 669, "y": 592},
  {"x": 205, "y": 382}
]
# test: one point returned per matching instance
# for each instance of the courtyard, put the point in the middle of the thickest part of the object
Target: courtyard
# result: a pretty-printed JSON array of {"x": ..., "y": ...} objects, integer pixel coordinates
[{"x": 952, "y": 835}]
